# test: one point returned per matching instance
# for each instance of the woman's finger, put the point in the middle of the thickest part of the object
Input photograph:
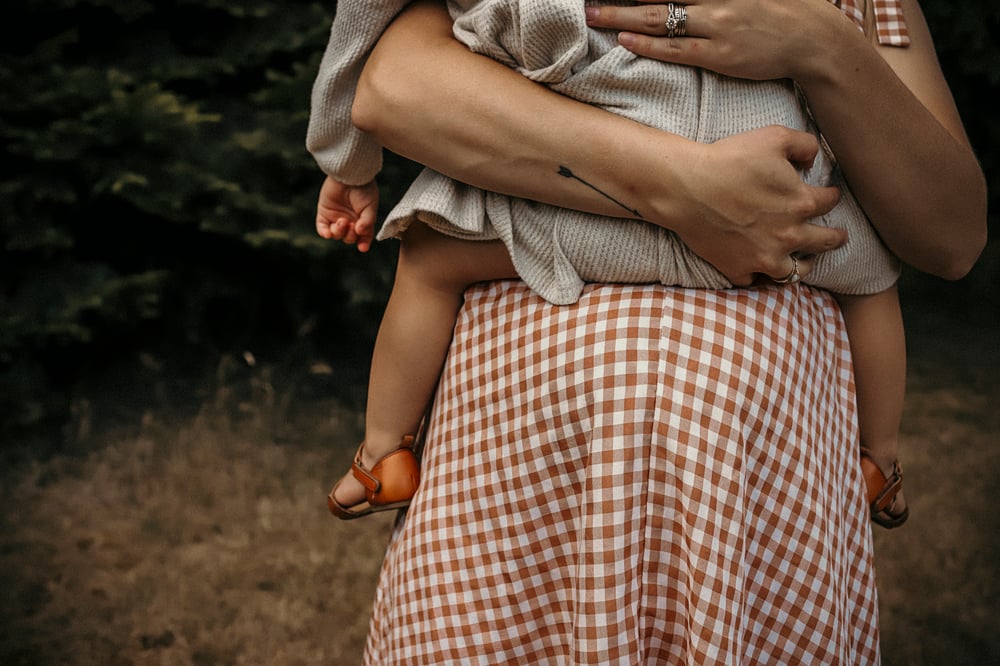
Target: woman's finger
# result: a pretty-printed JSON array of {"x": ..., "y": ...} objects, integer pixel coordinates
[
  {"x": 787, "y": 271},
  {"x": 816, "y": 239},
  {"x": 654, "y": 20},
  {"x": 688, "y": 50}
]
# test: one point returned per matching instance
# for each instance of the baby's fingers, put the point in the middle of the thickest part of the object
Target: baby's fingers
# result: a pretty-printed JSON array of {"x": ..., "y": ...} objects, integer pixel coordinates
[
  {"x": 331, "y": 229},
  {"x": 363, "y": 233},
  {"x": 349, "y": 236},
  {"x": 364, "y": 228},
  {"x": 325, "y": 226}
]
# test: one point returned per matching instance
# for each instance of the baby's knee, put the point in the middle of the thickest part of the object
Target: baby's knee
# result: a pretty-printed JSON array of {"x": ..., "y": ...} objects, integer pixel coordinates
[{"x": 423, "y": 257}]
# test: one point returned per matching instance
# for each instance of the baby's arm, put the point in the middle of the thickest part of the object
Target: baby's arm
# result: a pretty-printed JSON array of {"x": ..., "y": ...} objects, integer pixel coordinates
[
  {"x": 340, "y": 149},
  {"x": 348, "y": 199},
  {"x": 347, "y": 212}
]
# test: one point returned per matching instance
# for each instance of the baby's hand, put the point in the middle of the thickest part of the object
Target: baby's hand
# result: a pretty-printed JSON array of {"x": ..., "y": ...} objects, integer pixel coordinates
[{"x": 347, "y": 212}]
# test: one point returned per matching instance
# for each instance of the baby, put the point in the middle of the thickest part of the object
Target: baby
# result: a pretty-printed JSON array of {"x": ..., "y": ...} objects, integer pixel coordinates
[{"x": 554, "y": 250}]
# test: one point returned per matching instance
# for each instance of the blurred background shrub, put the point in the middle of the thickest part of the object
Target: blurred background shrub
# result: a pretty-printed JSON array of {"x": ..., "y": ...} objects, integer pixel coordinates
[{"x": 157, "y": 202}]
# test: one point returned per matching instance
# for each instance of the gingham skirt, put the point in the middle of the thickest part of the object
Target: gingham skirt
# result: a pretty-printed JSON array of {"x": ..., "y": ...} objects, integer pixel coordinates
[{"x": 651, "y": 476}]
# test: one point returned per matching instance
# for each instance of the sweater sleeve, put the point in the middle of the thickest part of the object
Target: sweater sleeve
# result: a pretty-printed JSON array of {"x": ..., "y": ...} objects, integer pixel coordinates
[{"x": 341, "y": 150}]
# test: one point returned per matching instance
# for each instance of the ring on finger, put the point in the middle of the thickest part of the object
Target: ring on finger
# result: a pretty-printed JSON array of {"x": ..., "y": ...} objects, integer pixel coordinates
[
  {"x": 793, "y": 275},
  {"x": 676, "y": 20}
]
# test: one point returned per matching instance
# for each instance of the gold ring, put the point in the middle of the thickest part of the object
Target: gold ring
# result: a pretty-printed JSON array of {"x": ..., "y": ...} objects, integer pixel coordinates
[{"x": 793, "y": 276}]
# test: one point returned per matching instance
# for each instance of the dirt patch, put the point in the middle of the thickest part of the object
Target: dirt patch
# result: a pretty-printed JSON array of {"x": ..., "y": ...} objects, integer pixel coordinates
[
  {"x": 193, "y": 544},
  {"x": 207, "y": 541},
  {"x": 939, "y": 574}
]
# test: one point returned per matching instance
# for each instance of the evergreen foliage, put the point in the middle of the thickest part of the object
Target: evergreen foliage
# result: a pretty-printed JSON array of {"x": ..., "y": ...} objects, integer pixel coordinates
[{"x": 156, "y": 195}]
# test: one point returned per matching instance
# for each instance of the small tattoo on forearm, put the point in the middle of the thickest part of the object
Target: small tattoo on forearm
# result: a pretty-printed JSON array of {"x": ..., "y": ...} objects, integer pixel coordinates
[{"x": 567, "y": 173}]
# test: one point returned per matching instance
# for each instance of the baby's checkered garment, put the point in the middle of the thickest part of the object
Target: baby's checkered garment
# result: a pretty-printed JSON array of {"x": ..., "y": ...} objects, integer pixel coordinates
[{"x": 650, "y": 476}]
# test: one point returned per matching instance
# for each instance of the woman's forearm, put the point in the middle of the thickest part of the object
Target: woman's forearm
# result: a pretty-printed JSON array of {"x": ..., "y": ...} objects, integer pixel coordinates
[
  {"x": 739, "y": 203},
  {"x": 426, "y": 97},
  {"x": 893, "y": 125}
]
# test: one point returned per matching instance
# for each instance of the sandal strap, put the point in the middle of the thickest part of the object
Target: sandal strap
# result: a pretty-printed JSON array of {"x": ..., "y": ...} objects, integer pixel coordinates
[
  {"x": 889, "y": 486},
  {"x": 372, "y": 483},
  {"x": 892, "y": 486}
]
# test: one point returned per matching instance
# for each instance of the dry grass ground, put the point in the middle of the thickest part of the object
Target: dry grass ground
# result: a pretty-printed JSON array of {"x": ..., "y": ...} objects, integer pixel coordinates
[
  {"x": 205, "y": 540},
  {"x": 199, "y": 542},
  {"x": 939, "y": 575}
]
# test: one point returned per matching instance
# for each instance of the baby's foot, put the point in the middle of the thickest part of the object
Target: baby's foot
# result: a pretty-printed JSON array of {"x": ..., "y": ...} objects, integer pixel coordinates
[
  {"x": 348, "y": 492},
  {"x": 388, "y": 482}
]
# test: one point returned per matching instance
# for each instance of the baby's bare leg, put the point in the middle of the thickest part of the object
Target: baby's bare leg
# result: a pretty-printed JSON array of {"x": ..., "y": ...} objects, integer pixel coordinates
[
  {"x": 433, "y": 272},
  {"x": 875, "y": 328},
  {"x": 413, "y": 339}
]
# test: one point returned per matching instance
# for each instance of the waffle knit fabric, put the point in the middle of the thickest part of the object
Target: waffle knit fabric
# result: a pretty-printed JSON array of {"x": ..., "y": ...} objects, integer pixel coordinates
[{"x": 555, "y": 250}]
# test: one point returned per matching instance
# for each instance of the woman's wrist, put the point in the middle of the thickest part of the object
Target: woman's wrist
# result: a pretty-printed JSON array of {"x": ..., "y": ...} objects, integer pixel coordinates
[{"x": 829, "y": 49}]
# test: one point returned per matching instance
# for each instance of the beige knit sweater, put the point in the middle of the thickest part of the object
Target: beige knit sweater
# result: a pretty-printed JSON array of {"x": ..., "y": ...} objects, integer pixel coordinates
[{"x": 557, "y": 250}]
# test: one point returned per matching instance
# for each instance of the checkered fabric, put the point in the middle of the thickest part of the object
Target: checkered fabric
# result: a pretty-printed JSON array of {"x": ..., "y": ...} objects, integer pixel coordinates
[
  {"x": 651, "y": 476},
  {"x": 890, "y": 26},
  {"x": 889, "y": 23}
]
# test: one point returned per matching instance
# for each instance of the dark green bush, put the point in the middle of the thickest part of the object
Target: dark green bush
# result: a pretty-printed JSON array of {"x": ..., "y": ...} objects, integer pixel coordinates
[
  {"x": 157, "y": 194},
  {"x": 156, "y": 205}
]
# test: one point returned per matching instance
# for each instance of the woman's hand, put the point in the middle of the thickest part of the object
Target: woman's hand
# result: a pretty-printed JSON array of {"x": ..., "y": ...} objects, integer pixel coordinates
[
  {"x": 747, "y": 39},
  {"x": 749, "y": 209}
]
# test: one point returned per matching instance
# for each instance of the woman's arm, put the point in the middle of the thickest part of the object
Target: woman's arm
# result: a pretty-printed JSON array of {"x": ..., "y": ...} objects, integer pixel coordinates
[
  {"x": 739, "y": 203},
  {"x": 909, "y": 162},
  {"x": 886, "y": 112}
]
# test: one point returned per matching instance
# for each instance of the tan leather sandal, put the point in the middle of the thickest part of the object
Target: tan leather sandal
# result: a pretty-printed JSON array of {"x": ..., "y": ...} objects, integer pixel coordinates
[
  {"x": 882, "y": 491},
  {"x": 389, "y": 484}
]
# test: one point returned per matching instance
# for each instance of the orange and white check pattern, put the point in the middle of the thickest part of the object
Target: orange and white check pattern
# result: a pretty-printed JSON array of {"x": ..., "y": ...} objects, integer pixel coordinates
[
  {"x": 890, "y": 26},
  {"x": 651, "y": 476}
]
